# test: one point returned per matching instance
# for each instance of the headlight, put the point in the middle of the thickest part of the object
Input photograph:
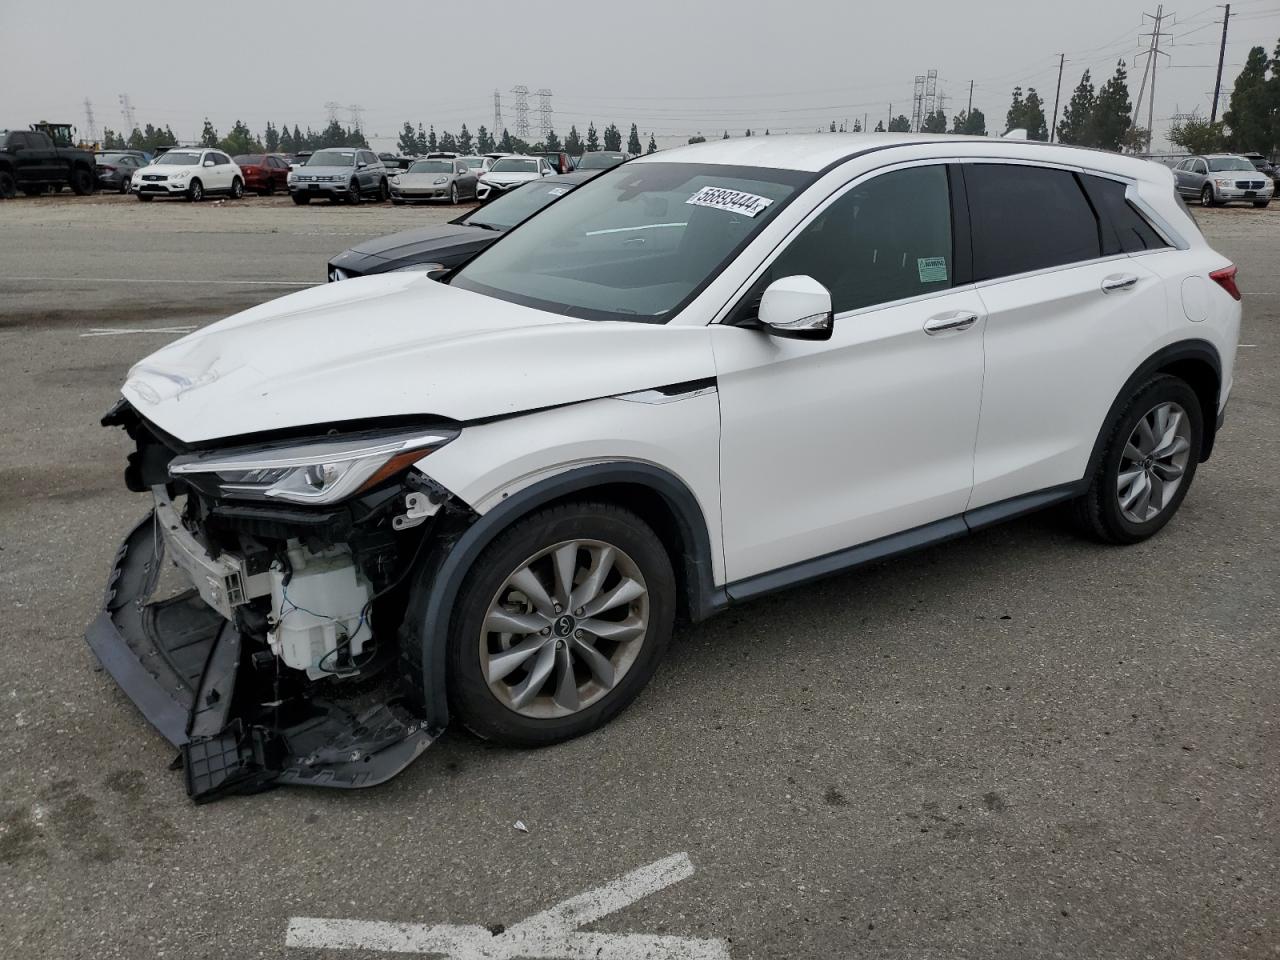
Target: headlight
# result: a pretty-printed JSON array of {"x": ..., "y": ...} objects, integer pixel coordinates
[
  {"x": 440, "y": 180},
  {"x": 317, "y": 472},
  {"x": 1222, "y": 183}
]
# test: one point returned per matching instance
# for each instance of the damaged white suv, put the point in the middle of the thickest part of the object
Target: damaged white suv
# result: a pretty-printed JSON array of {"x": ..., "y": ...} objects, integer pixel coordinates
[{"x": 703, "y": 376}]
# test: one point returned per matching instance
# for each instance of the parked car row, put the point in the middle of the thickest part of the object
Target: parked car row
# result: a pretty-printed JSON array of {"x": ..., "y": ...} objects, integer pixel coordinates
[{"x": 1224, "y": 178}]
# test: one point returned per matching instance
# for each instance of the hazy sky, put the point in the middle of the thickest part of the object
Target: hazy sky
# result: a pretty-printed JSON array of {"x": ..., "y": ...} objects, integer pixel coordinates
[{"x": 674, "y": 67}]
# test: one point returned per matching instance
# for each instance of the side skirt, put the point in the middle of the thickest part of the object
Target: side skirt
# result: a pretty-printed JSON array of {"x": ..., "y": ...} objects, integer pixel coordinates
[{"x": 908, "y": 541}]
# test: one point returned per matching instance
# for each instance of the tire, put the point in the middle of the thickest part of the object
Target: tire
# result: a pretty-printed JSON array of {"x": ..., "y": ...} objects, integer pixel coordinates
[
  {"x": 353, "y": 192},
  {"x": 301, "y": 199},
  {"x": 268, "y": 190},
  {"x": 8, "y": 185},
  {"x": 1261, "y": 204},
  {"x": 237, "y": 188},
  {"x": 1206, "y": 197},
  {"x": 1100, "y": 513},
  {"x": 453, "y": 194},
  {"x": 398, "y": 203},
  {"x": 195, "y": 192},
  {"x": 124, "y": 185},
  {"x": 82, "y": 181},
  {"x": 144, "y": 197},
  {"x": 384, "y": 191},
  {"x": 548, "y": 716}
]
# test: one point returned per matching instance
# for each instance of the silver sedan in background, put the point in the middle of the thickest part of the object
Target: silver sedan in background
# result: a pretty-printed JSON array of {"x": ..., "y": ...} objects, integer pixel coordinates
[
  {"x": 443, "y": 178},
  {"x": 1222, "y": 178}
]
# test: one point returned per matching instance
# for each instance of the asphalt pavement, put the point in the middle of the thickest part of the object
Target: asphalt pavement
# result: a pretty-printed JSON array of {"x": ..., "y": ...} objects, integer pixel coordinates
[{"x": 1016, "y": 745}]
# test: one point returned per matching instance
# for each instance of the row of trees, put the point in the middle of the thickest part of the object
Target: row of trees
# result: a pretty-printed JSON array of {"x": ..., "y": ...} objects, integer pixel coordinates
[
  {"x": 418, "y": 141},
  {"x": 241, "y": 139},
  {"x": 1252, "y": 118},
  {"x": 1101, "y": 118}
]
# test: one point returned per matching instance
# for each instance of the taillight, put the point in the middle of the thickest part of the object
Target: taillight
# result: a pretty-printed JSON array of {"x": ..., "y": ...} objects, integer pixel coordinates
[{"x": 1226, "y": 279}]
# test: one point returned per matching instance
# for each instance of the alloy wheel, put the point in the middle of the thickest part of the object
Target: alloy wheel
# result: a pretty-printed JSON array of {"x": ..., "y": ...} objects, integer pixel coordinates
[
  {"x": 1153, "y": 462},
  {"x": 1206, "y": 196},
  {"x": 564, "y": 628}
]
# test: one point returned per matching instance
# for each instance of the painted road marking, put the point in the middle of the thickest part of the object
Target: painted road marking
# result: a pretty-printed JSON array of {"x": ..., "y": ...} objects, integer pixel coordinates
[
  {"x": 119, "y": 331},
  {"x": 232, "y": 283},
  {"x": 550, "y": 935}
]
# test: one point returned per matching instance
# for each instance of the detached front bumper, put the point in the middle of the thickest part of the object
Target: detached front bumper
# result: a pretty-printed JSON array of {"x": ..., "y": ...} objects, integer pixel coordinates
[{"x": 184, "y": 666}]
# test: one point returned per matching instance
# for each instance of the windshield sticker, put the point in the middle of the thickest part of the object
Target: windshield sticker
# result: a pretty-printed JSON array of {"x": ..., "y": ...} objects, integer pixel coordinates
[
  {"x": 735, "y": 201},
  {"x": 932, "y": 269}
]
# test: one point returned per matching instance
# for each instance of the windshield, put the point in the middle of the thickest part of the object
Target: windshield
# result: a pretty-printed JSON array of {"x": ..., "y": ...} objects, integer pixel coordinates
[
  {"x": 1219, "y": 164},
  {"x": 331, "y": 158},
  {"x": 600, "y": 161},
  {"x": 252, "y": 159},
  {"x": 177, "y": 158},
  {"x": 510, "y": 165},
  {"x": 633, "y": 244},
  {"x": 114, "y": 157},
  {"x": 432, "y": 166},
  {"x": 518, "y": 205},
  {"x": 473, "y": 163}
]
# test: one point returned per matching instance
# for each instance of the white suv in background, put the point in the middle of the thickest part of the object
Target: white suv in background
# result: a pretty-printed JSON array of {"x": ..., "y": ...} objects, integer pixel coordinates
[
  {"x": 190, "y": 173},
  {"x": 696, "y": 379}
]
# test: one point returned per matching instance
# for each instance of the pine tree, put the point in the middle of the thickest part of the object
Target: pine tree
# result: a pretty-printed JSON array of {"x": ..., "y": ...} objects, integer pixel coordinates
[
  {"x": 1249, "y": 114},
  {"x": 465, "y": 143},
  {"x": 286, "y": 139},
  {"x": 1077, "y": 117},
  {"x": 726, "y": 135},
  {"x": 551, "y": 142},
  {"x": 975, "y": 123},
  {"x": 900, "y": 124},
  {"x": 420, "y": 144},
  {"x": 593, "y": 139},
  {"x": 1017, "y": 109},
  {"x": 1033, "y": 115},
  {"x": 573, "y": 143},
  {"x": 448, "y": 143},
  {"x": 1112, "y": 112},
  {"x": 748, "y": 133},
  {"x": 408, "y": 142},
  {"x": 208, "y": 136},
  {"x": 612, "y": 137},
  {"x": 935, "y": 122},
  {"x": 653, "y": 145},
  {"x": 271, "y": 138},
  {"x": 484, "y": 140},
  {"x": 433, "y": 143},
  {"x": 505, "y": 144},
  {"x": 879, "y": 126},
  {"x": 633, "y": 142}
]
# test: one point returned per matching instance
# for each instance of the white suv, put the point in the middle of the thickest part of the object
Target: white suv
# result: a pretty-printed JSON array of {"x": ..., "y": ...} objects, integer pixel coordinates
[
  {"x": 190, "y": 173},
  {"x": 701, "y": 377}
]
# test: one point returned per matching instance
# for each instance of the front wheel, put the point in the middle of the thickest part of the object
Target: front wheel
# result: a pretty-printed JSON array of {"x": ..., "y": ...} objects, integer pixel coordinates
[
  {"x": 1150, "y": 458},
  {"x": 8, "y": 185},
  {"x": 453, "y": 194},
  {"x": 124, "y": 186},
  {"x": 82, "y": 181},
  {"x": 301, "y": 199},
  {"x": 560, "y": 624},
  {"x": 1261, "y": 204},
  {"x": 353, "y": 192},
  {"x": 195, "y": 192},
  {"x": 144, "y": 197},
  {"x": 1206, "y": 197},
  {"x": 237, "y": 188},
  {"x": 384, "y": 191}
]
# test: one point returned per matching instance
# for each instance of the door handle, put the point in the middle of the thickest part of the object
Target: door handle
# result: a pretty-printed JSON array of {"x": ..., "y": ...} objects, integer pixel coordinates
[
  {"x": 952, "y": 322},
  {"x": 1118, "y": 281}
]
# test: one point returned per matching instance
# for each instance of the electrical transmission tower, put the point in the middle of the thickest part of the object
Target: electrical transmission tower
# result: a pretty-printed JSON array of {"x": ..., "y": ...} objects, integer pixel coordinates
[
  {"x": 1152, "y": 52},
  {"x": 544, "y": 111},
  {"x": 126, "y": 114},
  {"x": 357, "y": 116},
  {"x": 333, "y": 107},
  {"x": 917, "y": 103},
  {"x": 522, "y": 111},
  {"x": 90, "y": 122},
  {"x": 497, "y": 114},
  {"x": 931, "y": 92}
]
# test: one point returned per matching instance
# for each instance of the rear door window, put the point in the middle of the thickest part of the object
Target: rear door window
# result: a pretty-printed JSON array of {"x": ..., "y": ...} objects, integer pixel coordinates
[
  {"x": 1124, "y": 229},
  {"x": 886, "y": 239},
  {"x": 1027, "y": 218}
]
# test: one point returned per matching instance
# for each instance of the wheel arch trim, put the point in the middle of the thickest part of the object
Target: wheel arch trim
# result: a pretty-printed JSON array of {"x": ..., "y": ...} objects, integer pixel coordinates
[{"x": 428, "y": 619}]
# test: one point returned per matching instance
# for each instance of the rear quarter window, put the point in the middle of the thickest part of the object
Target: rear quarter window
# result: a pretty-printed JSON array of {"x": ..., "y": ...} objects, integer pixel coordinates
[
  {"x": 1124, "y": 230},
  {"x": 1027, "y": 218}
]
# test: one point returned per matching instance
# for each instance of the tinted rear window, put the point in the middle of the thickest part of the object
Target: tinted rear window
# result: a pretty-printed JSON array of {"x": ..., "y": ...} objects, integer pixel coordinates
[
  {"x": 1124, "y": 228},
  {"x": 1027, "y": 218},
  {"x": 254, "y": 159}
]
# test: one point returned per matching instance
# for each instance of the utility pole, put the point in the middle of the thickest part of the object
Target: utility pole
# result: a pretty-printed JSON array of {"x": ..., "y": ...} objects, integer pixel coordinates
[
  {"x": 969, "y": 109},
  {"x": 1155, "y": 52},
  {"x": 1053, "y": 130},
  {"x": 1222, "y": 50}
]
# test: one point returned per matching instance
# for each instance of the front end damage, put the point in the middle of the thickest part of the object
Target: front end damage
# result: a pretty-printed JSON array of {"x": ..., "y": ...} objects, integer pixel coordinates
[{"x": 274, "y": 658}]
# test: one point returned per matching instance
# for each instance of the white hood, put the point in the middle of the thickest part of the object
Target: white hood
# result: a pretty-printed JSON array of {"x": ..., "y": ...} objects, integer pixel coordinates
[{"x": 393, "y": 345}]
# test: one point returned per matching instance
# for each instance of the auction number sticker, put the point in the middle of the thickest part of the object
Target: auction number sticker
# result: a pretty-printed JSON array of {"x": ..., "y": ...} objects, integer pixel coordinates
[
  {"x": 932, "y": 269},
  {"x": 735, "y": 201}
]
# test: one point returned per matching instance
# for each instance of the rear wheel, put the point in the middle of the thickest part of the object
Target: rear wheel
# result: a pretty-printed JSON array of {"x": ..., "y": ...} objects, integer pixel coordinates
[
  {"x": 237, "y": 188},
  {"x": 560, "y": 624},
  {"x": 82, "y": 181},
  {"x": 1148, "y": 463},
  {"x": 195, "y": 192},
  {"x": 1206, "y": 197},
  {"x": 301, "y": 199}
]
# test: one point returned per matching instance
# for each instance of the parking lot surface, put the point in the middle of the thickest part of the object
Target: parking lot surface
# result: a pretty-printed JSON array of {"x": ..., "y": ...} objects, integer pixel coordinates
[{"x": 1016, "y": 745}]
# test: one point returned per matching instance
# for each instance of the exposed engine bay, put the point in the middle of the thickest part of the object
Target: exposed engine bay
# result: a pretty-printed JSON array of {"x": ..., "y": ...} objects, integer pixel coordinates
[{"x": 276, "y": 658}]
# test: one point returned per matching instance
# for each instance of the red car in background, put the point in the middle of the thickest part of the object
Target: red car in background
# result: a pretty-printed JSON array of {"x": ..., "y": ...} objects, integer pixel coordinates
[{"x": 264, "y": 173}]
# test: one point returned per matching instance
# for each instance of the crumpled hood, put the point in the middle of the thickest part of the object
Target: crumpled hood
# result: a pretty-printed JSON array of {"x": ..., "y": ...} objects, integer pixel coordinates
[{"x": 398, "y": 345}]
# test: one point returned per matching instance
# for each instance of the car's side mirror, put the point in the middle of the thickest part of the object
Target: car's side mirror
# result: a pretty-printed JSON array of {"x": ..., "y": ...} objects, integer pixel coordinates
[{"x": 798, "y": 307}]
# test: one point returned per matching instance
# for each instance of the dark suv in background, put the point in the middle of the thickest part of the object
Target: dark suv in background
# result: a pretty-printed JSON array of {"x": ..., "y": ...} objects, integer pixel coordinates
[{"x": 31, "y": 162}]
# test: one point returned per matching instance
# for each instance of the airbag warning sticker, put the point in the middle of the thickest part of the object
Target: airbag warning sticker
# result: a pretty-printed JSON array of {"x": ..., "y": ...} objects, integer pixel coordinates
[
  {"x": 932, "y": 269},
  {"x": 735, "y": 201}
]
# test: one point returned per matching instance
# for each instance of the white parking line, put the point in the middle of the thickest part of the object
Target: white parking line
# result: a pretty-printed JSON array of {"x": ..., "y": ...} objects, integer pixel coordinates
[
  {"x": 118, "y": 331},
  {"x": 549, "y": 935},
  {"x": 229, "y": 283}
]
